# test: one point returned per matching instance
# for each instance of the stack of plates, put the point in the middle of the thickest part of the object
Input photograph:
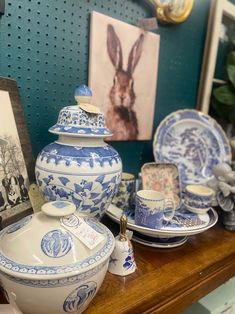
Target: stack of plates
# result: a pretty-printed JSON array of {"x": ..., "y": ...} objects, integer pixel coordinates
[{"x": 173, "y": 233}]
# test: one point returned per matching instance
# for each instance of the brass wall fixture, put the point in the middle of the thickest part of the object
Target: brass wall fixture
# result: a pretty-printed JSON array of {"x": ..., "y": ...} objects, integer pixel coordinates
[{"x": 172, "y": 11}]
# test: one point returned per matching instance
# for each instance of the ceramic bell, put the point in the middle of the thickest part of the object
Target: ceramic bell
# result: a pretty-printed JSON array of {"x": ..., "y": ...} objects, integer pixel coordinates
[
  {"x": 79, "y": 166},
  {"x": 122, "y": 261}
]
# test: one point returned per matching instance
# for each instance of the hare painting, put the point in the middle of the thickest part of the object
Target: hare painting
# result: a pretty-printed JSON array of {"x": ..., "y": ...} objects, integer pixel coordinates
[{"x": 121, "y": 114}]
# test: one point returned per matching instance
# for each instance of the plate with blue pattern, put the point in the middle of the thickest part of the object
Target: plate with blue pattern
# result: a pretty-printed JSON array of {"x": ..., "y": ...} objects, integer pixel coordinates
[
  {"x": 184, "y": 223},
  {"x": 160, "y": 243},
  {"x": 194, "y": 142}
]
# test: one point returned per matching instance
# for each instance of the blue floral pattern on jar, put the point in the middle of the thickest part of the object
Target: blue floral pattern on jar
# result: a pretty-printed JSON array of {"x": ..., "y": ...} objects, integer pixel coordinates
[
  {"x": 91, "y": 196},
  {"x": 89, "y": 179}
]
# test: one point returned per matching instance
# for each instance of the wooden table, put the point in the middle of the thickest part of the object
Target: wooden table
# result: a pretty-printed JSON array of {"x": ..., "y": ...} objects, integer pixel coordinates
[{"x": 168, "y": 280}]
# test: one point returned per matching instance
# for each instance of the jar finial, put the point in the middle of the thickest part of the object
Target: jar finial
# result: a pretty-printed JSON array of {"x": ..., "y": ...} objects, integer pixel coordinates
[{"x": 83, "y": 95}]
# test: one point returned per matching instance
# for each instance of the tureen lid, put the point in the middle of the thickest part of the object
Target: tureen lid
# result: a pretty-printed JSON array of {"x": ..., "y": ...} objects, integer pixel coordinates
[
  {"x": 83, "y": 119},
  {"x": 40, "y": 246}
]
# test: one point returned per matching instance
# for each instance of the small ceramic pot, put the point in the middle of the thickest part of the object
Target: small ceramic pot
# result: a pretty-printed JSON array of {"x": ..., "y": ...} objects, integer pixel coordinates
[
  {"x": 198, "y": 197},
  {"x": 151, "y": 207},
  {"x": 124, "y": 198}
]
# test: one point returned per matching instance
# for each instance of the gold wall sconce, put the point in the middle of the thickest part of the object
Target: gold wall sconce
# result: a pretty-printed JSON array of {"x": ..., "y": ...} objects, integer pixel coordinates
[{"x": 172, "y": 11}]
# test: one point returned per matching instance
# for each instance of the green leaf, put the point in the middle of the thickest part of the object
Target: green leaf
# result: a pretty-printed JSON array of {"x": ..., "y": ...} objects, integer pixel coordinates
[
  {"x": 220, "y": 110},
  {"x": 233, "y": 40},
  {"x": 225, "y": 94},
  {"x": 231, "y": 58},
  {"x": 231, "y": 117},
  {"x": 231, "y": 74}
]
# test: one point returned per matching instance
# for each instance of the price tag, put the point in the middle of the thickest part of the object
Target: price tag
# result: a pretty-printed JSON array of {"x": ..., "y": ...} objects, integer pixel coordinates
[
  {"x": 89, "y": 108},
  {"x": 148, "y": 24},
  {"x": 36, "y": 198},
  {"x": 80, "y": 229}
]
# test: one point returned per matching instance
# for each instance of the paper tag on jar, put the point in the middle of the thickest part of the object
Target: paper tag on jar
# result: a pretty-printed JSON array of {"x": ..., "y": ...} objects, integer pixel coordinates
[
  {"x": 80, "y": 229},
  {"x": 89, "y": 108}
]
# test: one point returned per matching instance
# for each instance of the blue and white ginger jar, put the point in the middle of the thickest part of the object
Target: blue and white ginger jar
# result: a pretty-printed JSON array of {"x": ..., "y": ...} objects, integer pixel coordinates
[{"x": 79, "y": 166}]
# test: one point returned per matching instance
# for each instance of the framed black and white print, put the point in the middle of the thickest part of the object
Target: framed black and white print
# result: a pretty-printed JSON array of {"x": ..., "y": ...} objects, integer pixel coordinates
[{"x": 16, "y": 164}]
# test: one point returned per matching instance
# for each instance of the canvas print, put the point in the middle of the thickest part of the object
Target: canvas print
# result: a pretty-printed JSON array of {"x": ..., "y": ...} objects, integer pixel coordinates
[
  {"x": 14, "y": 197},
  {"x": 122, "y": 75}
]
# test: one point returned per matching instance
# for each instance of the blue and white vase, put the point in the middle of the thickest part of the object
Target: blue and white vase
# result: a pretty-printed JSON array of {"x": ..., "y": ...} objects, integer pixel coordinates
[{"x": 79, "y": 166}]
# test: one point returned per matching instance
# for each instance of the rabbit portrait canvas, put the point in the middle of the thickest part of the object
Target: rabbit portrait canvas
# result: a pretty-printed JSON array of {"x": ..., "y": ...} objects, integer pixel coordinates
[
  {"x": 121, "y": 115},
  {"x": 122, "y": 75}
]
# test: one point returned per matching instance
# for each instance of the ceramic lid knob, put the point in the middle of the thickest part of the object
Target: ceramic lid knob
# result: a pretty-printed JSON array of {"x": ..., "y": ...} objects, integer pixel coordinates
[
  {"x": 83, "y": 95},
  {"x": 58, "y": 208}
]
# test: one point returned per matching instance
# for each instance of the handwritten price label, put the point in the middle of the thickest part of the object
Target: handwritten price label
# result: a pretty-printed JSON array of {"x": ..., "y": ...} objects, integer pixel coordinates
[{"x": 80, "y": 229}]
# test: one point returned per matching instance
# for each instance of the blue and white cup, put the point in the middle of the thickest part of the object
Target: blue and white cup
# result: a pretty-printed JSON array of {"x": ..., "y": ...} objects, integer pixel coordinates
[
  {"x": 198, "y": 197},
  {"x": 124, "y": 198},
  {"x": 152, "y": 209}
]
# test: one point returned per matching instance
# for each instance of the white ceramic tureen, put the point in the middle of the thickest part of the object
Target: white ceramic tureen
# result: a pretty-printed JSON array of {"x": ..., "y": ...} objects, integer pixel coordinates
[
  {"x": 79, "y": 166},
  {"x": 45, "y": 268}
]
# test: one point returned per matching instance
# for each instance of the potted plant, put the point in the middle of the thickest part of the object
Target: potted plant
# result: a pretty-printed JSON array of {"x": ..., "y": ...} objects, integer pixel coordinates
[{"x": 223, "y": 100}]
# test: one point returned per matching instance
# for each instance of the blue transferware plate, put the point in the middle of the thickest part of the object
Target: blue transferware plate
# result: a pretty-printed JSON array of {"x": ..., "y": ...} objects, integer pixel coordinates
[
  {"x": 194, "y": 141},
  {"x": 162, "y": 243},
  {"x": 184, "y": 223}
]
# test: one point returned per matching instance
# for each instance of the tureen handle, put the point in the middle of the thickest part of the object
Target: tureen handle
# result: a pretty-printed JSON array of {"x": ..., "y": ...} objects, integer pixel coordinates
[{"x": 58, "y": 208}]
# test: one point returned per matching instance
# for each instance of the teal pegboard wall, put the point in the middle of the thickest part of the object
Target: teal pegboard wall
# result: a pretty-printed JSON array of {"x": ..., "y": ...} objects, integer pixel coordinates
[{"x": 44, "y": 46}]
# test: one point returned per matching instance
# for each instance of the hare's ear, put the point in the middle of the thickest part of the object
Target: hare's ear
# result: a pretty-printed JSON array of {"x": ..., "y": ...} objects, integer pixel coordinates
[
  {"x": 114, "y": 47},
  {"x": 135, "y": 54}
]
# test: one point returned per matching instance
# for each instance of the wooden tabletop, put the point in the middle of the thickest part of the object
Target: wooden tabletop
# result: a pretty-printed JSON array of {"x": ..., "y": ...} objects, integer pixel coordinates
[{"x": 169, "y": 280}]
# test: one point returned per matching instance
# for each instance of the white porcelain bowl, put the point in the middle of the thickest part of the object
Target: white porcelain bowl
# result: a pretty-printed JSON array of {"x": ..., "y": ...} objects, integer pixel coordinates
[{"x": 45, "y": 269}]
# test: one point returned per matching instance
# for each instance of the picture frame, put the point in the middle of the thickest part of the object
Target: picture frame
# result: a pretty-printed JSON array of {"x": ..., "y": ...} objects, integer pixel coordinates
[
  {"x": 119, "y": 81},
  {"x": 9, "y": 93},
  {"x": 219, "y": 10},
  {"x": 2, "y": 7}
]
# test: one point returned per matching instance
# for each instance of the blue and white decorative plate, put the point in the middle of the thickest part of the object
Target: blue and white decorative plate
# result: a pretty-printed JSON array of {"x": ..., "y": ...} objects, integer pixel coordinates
[
  {"x": 184, "y": 223},
  {"x": 194, "y": 141},
  {"x": 161, "y": 243}
]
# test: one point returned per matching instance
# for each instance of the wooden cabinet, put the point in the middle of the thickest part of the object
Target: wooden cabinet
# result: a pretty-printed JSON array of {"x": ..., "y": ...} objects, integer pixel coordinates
[{"x": 168, "y": 280}]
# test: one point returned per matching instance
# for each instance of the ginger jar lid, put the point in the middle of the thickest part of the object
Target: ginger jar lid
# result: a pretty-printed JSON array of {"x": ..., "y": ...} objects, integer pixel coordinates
[
  {"x": 39, "y": 246},
  {"x": 83, "y": 119}
]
